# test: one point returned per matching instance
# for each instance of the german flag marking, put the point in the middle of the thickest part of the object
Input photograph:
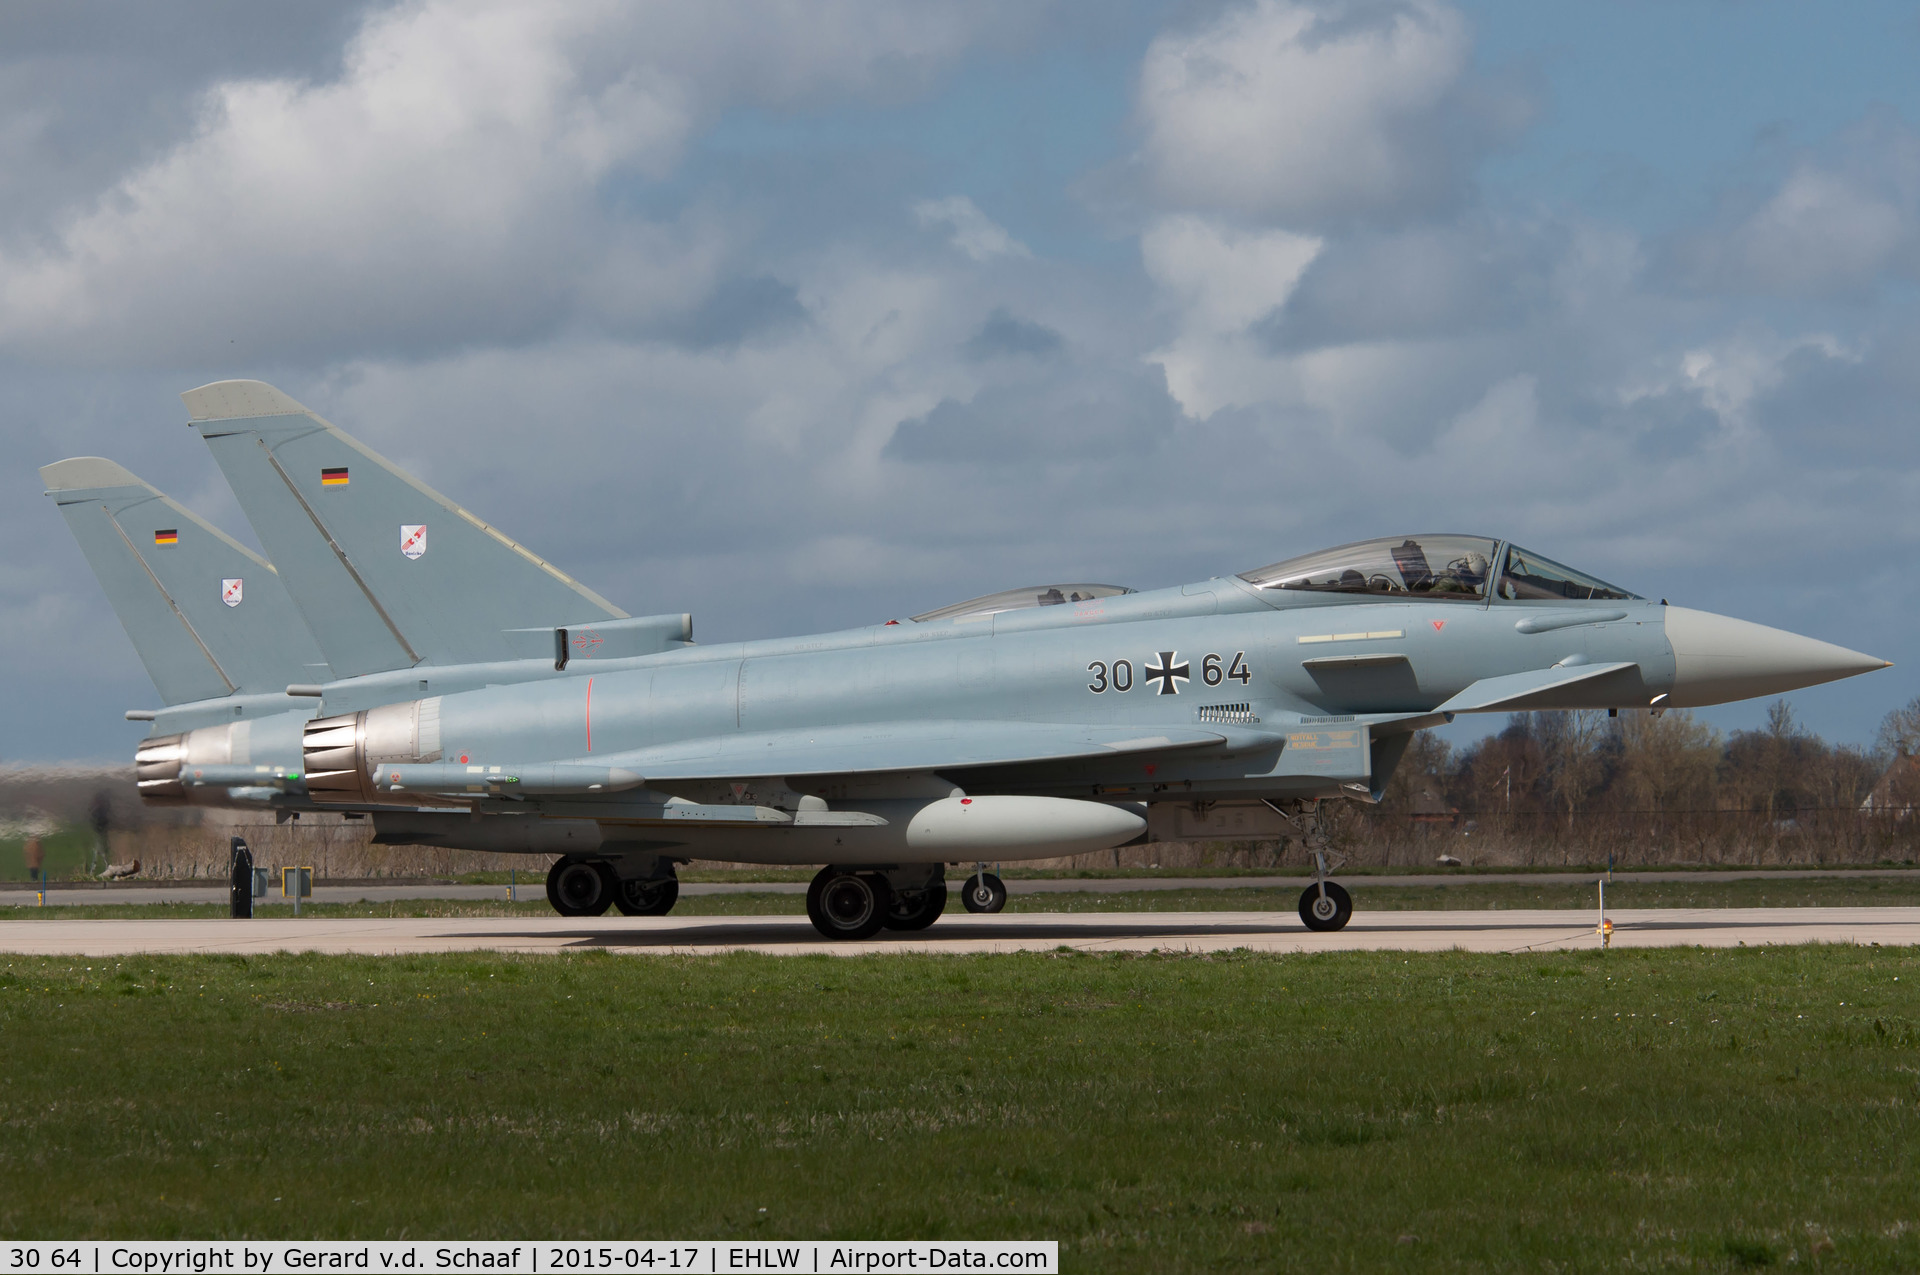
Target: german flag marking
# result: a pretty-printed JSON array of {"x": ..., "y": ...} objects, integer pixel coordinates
[
  {"x": 171, "y": 536},
  {"x": 333, "y": 477}
]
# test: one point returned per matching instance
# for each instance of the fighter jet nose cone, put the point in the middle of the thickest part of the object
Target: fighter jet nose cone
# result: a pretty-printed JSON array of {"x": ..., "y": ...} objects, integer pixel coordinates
[{"x": 1718, "y": 658}]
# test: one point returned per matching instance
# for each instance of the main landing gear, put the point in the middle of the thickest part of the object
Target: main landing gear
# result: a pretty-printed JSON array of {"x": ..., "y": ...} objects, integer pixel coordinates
[
  {"x": 588, "y": 887},
  {"x": 857, "y": 903}
]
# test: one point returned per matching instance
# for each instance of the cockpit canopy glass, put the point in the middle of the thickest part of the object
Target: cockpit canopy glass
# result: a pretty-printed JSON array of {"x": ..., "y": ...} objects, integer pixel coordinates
[
  {"x": 1423, "y": 566},
  {"x": 1044, "y": 595},
  {"x": 1527, "y": 576}
]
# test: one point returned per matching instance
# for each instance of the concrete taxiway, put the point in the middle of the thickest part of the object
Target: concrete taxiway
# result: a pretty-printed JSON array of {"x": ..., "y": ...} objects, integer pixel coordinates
[
  {"x": 1491, "y": 931},
  {"x": 533, "y": 888}
]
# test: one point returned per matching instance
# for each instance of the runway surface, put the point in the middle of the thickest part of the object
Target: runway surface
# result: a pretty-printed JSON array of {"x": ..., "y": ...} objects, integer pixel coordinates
[
  {"x": 532, "y": 889},
  {"x": 1493, "y": 931}
]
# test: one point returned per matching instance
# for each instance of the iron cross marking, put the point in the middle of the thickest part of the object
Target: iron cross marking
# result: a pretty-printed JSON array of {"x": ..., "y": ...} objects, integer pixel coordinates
[{"x": 1168, "y": 672}]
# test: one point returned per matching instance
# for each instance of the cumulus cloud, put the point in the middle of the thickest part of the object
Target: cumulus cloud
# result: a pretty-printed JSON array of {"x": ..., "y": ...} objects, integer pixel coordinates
[
  {"x": 1300, "y": 113},
  {"x": 446, "y": 186},
  {"x": 1220, "y": 280},
  {"x": 973, "y": 232}
]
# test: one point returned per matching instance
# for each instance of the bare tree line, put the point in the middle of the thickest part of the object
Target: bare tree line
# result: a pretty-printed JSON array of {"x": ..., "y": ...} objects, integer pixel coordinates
[{"x": 1648, "y": 788}]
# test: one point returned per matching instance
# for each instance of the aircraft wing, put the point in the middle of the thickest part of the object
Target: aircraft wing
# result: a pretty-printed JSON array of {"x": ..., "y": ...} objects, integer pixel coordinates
[
  {"x": 899, "y": 746},
  {"x": 1517, "y": 692}
]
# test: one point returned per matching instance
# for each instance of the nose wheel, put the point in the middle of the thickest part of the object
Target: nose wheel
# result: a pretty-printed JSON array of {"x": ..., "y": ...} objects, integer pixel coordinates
[{"x": 1325, "y": 906}]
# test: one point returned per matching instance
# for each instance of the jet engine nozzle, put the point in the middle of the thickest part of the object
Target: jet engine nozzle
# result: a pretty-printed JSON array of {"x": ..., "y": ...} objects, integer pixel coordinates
[
  {"x": 156, "y": 769},
  {"x": 1718, "y": 659},
  {"x": 204, "y": 765},
  {"x": 342, "y": 753}
]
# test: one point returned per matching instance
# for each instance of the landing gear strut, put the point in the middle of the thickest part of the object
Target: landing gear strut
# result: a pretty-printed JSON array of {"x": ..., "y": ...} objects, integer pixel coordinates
[{"x": 1324, "y": 905}]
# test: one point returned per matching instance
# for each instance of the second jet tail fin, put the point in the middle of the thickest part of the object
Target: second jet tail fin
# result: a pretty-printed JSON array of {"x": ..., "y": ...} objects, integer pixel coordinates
[
  {"x": 388, "y": 572},
  {"x": 208, "y": 616}
]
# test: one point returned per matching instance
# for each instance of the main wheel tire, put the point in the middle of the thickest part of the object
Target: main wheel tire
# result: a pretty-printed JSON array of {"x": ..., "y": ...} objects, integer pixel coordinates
[
  {"x": 653, "y": 897},
  {"x": 917, "y": 909},
  {"x": 579, "y": 887},
  {"x": 1329, "y": 913},
  {"x": 847, "y": 905},
  {"x": 984, "y": 892}
]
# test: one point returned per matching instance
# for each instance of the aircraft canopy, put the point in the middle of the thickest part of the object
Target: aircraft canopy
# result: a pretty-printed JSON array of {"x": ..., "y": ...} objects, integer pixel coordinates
[
  {"x": 1040, "y": 595},
  {"x": 1437, "y": 567},
  {"x": 1528, "y": 575}
]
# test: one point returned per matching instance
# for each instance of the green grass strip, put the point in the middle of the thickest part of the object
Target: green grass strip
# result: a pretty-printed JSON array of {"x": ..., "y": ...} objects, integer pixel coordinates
[{"x": 1678, "y": 1109}]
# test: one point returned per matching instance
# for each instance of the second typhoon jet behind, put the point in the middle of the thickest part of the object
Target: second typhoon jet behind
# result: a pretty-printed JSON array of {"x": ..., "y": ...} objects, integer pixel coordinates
[{"x": 474, "y": 696}]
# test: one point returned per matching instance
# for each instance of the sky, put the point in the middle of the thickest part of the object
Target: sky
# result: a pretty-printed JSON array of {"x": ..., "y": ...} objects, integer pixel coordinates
[{"x": 800, "y": 316}]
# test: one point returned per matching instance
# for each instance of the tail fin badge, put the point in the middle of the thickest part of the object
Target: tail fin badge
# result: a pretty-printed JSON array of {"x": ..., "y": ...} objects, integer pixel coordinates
[
  {"x": 413, "y": 538},
  {"x": 333, "y": 477},
  {"x": 171, "y": 536},
  {"x": 230, "y": 592}
]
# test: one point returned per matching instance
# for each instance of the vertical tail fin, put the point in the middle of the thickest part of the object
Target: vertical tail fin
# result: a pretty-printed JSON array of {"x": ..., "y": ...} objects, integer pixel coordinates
[
  {"x": 208, "y": 616},
  {"x": 388, "y": 572}
]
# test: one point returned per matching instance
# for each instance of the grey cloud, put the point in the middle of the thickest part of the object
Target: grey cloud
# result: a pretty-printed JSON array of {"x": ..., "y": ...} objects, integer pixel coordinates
[
  {"x": 1437, "y": 280},
  {"x": 1080, "y": 419},
  {"x": 1003, "y": 335},
  {"x": 90, "y": 88},
  {"x": 1844, "y": 219},
  {"x": 1863, "y": 409},
  {"x": 737, "y": 310},
  {"x": 1663, "y": 426}
]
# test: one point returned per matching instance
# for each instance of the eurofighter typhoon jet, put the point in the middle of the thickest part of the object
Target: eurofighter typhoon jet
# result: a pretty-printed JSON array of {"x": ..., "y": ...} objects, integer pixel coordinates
[{"x": 400, "y": 659}]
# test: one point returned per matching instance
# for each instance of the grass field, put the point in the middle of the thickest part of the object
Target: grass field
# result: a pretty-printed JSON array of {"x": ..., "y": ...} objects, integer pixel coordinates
[
  {"x": 1680, "y": 1110},
  {"x": 1678, "y": 893}
]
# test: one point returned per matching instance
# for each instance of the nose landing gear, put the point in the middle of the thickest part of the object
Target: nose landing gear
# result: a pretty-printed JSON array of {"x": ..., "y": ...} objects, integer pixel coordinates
[{"x": 1324, "y": 905}]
